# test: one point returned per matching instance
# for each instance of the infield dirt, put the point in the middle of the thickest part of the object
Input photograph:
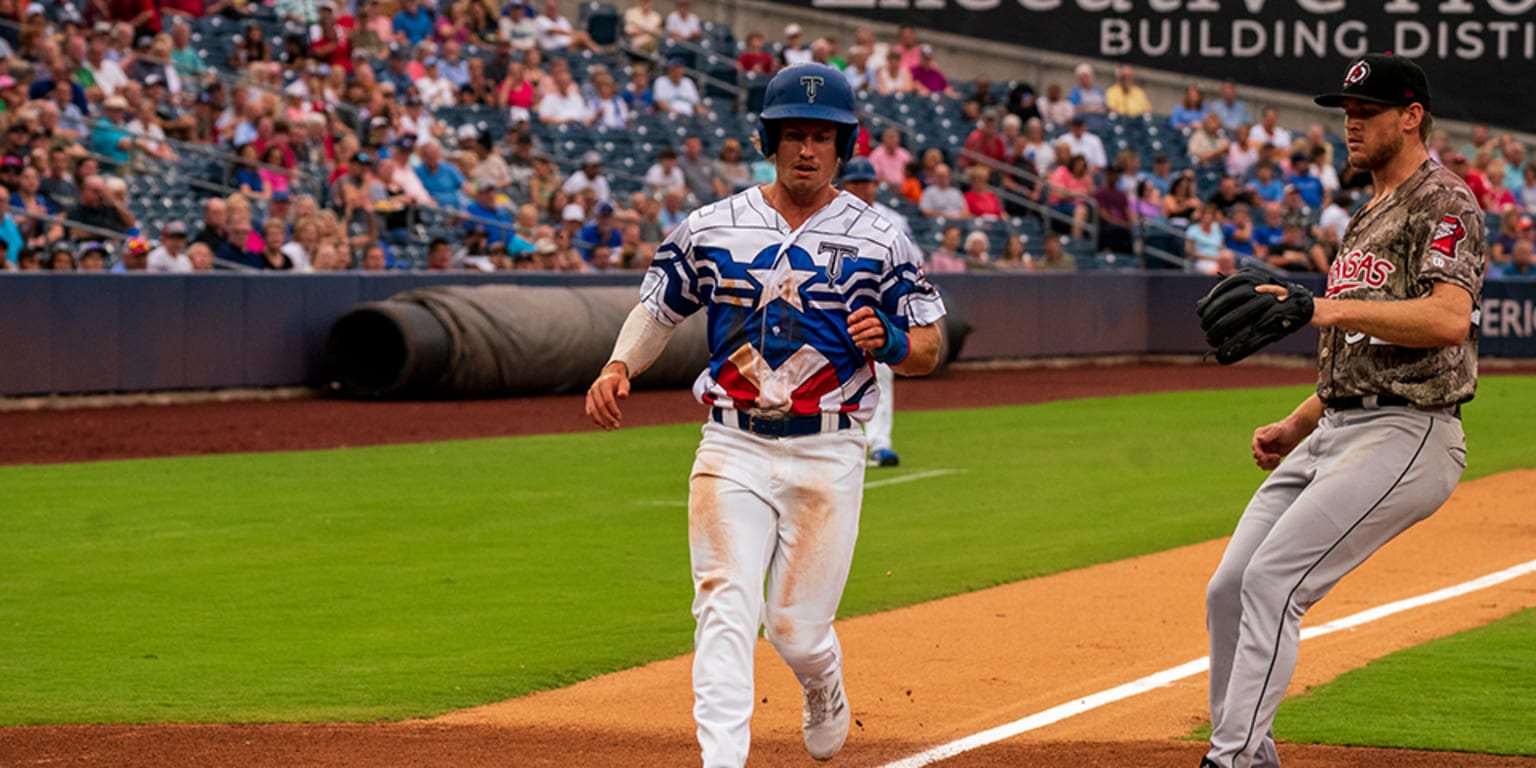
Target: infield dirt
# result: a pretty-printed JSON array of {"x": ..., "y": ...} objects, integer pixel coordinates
[{"x": 917, "y": 677}]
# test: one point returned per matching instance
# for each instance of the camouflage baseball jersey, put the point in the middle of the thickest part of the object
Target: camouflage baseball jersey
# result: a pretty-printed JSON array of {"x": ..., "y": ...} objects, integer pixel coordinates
[{"x": 1429, "y": 231}]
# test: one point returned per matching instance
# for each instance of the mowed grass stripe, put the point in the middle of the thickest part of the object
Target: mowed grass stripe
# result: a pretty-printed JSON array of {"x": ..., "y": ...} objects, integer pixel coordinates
[
  {"x": 403, "y": 581},
  {"x": 1474, "y": 691}
]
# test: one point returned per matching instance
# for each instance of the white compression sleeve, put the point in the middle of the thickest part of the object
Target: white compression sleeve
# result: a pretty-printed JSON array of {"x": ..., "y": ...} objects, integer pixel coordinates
[{"x": 641, "y": 341}]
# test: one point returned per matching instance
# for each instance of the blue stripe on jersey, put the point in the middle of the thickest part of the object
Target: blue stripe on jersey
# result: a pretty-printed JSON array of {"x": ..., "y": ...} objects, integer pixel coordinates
[{"x": 683, "y": 294}]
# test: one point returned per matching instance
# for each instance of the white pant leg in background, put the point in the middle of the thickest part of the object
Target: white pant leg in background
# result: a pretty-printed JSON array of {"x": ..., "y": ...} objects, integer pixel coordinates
[
  {"x": 787, "y": 508},
  {"x": 878, "y": 430}
]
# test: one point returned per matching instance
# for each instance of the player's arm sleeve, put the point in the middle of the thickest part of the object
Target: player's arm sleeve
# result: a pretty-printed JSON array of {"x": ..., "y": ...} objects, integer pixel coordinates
[
  {"x": 641, "y": 341},
  {"x": 906, "y": 296},
  {"x": 1454, "y": 248},
  {"x": 671, "y": 289}
]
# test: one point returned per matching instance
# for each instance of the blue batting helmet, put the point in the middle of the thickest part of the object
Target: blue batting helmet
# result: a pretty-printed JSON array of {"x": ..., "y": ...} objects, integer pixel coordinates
[
  {"x": 859, "y": 169},
  {"x": 813, "y": 92}
]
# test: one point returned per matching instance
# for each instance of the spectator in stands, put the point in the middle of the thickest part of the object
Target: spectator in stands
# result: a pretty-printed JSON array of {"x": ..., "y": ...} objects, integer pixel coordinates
[
  {"x": 589, "y": 176},
  {"x": 1041, "y": 153},
  {"x": 36, "y": 228},
  {"x": 564, "y": 103},
  {"x": 1323, "y": 170},
  {"x": 443, "y": 181},
  {"x": 515, "y": 93},
  {"x": 893, "y": 78},
  {"x": 1266, "y": 183},
  {"x": 1053, "y": 257},
  {"x": 1181, "y": 203},
  {"x": 62, "y": 259},
  {"x": 213, "y": 232},
  {"x": 1296, "y": 210},
  {"x": 1332, "y": 222},
  {"x": 1296, "y": 251},
  {"x": 907, "y": 49},
  {"x": 1241, "y": 156},
  {"x": 1012, "y": 129},
  {"x": 948, "y": 257},
  {"x": 980, "y": 201},
  {"x": 1125, "y": 97},
  {"x": 599, "y": 241},
  {"x": 890, "y": 158},
  {"x": 981, "y": 100},
  {"x": 698, "y": 170},
  {"x": 1527, "y": 193},
  {"x": 556, "y": 33},
  {"x": 412, "y": 23},
  {"x": 671, "y": 212},
  {"x": 1238, "y": 232},
  {"x": 974, "y": 251},
  {"x": 1457, "y": 163},
  {"x": 97, "y": 210},
  {"x": 643, "y": 26},
  {"x": 755, "y": 58},
  {"x": 1071, "y": 186},
  {"x": 109, "y": 135},
  {"x": 859, "y": 70},
  {"x": 235, "y": 248},
  {"x": 664, "y": 176},
  {"x": 984, "y": 141},
  {"x": 452, "y": 64},
  {"x": 1231, "y": 110},
  {"x": 102, "y": 71},
  {"x": 171, "y": 256},
  {"x": 1055, "y": 109},
  {"x": 1147, "y": 202},
  {"x": 1085, "y": 143},
  {"x": 1116, "y": 217},
  {"x": 1204, "y": 243},
  {"x": 730, "y": 173},
  {"x": 1268, "y": 131},
  {"x": 1228, "y": 195},
  {"x": 1161, "y": 175},
  {"x": 1310, "y": 187},
  {"x": 434, "y": 89},
  {"x": 1208, "y": 145},
  {"x": 675, "y": 92},
  {"x": 274, "y": 177},
  {"x": 135, "y": 256},
  {"x": 302, "y": 248},
  {"x": 1497, "y": 198},
  {"x": 1086, "y": 96},
  {"x": 795, "y": 50},
  {"x": 477, "y": 90},
  {"x": 1024, "y": 182},
  {"x": 1190, "y": 112},
  {"x": 518, "y": 28},
  {"x": 439, "y": 256},
  {"x": 247, "y": 177},
  {"x": 374, "y": 259},
  {"x": 926, "y": 77},
  {"x": 683, "y": 24},
  {"x": 1522, "y": 263},
  {"x": 941, "y": 199}
]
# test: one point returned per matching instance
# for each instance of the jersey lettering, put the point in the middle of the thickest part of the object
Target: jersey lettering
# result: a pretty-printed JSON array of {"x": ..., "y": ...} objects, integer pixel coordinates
[
  {"x": 1358, "y": 269},
  {"x": 836, "y": 253}
]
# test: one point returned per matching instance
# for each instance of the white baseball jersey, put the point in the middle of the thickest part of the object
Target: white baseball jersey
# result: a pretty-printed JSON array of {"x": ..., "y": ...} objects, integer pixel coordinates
[{"x": 779, "y": 299}]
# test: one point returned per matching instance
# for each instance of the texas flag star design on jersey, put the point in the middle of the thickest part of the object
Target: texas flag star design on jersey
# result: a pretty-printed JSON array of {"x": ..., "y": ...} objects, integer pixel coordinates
[{"x": 779, "y": 300}]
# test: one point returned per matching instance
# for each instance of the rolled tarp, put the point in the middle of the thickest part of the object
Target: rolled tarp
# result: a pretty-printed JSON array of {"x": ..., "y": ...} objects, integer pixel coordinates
[{"x": 506, "y": 340}]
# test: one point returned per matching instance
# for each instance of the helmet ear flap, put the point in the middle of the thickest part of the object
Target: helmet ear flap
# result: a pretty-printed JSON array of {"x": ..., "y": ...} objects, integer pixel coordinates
[
  {"x": 848, "y": 141},
  {"x": 767, "y": 137}
]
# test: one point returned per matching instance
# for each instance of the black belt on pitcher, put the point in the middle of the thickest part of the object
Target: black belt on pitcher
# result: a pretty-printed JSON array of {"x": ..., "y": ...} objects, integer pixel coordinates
[
  {"x": 780, "y": 426},
  {"x": 1372, "y": 402}
]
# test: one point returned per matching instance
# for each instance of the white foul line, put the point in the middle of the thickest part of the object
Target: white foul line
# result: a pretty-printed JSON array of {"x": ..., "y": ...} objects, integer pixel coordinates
[
  {"x": 913, "y": 476},
  {"x": 1190, "y": 669}
]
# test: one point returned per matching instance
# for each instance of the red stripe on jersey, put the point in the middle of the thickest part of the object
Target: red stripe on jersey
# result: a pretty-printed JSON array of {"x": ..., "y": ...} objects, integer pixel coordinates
[
  {"x": 742, "y": 391},
  {"x": 806, "y": 399}
]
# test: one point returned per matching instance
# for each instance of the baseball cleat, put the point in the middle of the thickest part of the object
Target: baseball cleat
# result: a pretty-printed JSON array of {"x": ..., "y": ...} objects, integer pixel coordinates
[
  {"x": 826, "y": 720},
  {"x": 884, "y": 457}
]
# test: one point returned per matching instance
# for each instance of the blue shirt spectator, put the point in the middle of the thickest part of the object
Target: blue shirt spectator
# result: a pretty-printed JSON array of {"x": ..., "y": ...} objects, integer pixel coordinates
[
  {"x": 10, "y": 234},
  {"x": 1184, "y": 117},
  {"x": 590, "y": 237},
  {"x": 1232, "y": 110},
  {"x": 484, "y": 210},
  {"x": 1310, "y": 187},
  {"x": 414, "y": 21},
  {"x": 443, "y": 181},
  {"x": 108, "y": 134}
]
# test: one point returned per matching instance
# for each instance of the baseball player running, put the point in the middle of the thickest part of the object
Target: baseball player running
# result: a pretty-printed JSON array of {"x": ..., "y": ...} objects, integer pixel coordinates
[
  {"x": 805, "y": 288},
  {"x": 861, "y": 181},
  {"x": 1379, "y": 447}
]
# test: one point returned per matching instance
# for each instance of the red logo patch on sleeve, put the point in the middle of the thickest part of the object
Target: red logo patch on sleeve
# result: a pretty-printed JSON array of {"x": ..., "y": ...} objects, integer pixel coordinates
[{"x": 1448, "y": 234}]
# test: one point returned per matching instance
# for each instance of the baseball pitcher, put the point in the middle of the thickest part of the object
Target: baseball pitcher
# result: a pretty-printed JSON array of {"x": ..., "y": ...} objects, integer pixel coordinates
[{"x": 1379, "y": 447}]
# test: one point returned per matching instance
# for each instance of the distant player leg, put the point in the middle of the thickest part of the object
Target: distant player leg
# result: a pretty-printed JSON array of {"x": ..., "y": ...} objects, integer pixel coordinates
[
  {"x": 1368, "y": 476},
  {"x": 878, "y": 430}
]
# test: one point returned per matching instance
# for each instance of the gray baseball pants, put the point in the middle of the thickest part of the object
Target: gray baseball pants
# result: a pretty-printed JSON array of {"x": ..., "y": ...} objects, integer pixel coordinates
[{"x": 1360, "y": 479}]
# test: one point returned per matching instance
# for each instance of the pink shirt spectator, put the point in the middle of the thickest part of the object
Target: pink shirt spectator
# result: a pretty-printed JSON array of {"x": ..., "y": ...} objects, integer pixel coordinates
[
  {"x": 941, "y": 261},
  {"x": 890, "y": 166}
]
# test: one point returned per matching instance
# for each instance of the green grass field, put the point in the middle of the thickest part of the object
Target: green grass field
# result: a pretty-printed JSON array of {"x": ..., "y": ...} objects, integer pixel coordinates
[
  {"x": 1471, "y": 691},
  {"x": 410, "y": 580}
]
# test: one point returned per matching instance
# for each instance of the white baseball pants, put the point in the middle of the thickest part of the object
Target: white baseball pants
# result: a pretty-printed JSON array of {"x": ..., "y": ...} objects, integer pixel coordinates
[{"x": 787, "y": 508}]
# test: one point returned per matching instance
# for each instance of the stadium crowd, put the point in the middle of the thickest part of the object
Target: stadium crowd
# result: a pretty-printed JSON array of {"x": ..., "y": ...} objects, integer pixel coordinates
[{"x": 337, "y": 135}]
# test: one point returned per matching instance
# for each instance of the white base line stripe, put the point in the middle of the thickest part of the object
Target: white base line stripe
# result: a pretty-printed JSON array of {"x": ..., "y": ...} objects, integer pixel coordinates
[
  {"x": 1168, "y": 676},
  {"x": 913, "y": 476}
]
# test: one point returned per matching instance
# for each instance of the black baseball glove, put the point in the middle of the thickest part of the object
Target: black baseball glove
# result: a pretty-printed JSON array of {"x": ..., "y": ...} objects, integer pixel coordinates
[{"x": 1239, "y": 320}]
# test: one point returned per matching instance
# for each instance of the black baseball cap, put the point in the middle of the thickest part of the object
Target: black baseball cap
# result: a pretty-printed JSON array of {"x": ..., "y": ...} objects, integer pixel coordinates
[{"x": 1381, "y": 78}]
